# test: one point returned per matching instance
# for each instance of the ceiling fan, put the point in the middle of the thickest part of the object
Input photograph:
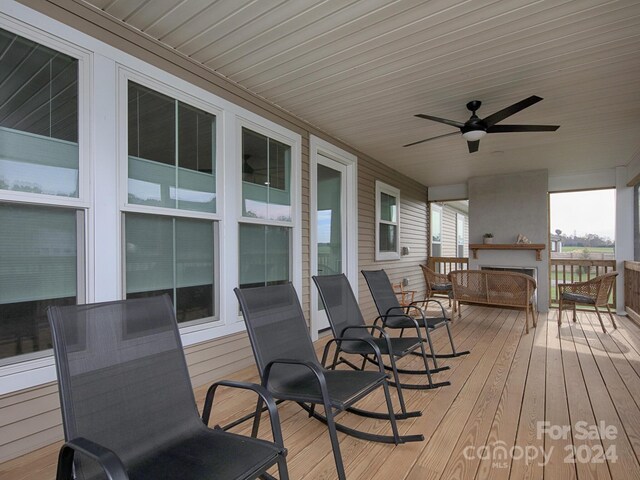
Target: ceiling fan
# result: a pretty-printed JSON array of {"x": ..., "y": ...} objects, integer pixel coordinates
[{"x": 475, "y": 128}]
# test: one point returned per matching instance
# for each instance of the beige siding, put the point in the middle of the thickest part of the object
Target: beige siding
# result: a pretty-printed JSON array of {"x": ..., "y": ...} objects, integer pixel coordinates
[
  {"x": 30, "y": 419},
  {"x": 450, "y": 233},
  {"x": 449, "y": 240},
  {"x": 413, "y": 230}
]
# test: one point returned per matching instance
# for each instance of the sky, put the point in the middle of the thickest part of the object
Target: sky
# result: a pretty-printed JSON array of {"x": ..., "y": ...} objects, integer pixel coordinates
[{"x": 584, "y": 212}]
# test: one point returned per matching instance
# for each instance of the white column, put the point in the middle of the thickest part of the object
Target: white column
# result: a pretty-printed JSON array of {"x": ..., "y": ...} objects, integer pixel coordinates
[
  {"x": 624, "y": 231},
  {"x": 229, "y": 275},
  {"x": 104, "y": 223}
]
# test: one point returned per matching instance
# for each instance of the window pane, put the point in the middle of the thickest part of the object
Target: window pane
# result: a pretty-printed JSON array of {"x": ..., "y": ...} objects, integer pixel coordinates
[
  {"x": 38, "y": 268},
  {"x": 460, "y": 229},
  {"x": 388, "y": 238},
  {"x": 38, "y": 118},
  {"x": 436, "y": 225},
  {"x": 165, "y": 169},
  {"x": 173, "y": 256},
  {"x": 149, "y": 255},
  {"x": 264, "y": 255},
  {"x": 196, "y": 159},
  {"x": 151, "y": 143},
  {"x": 388, "y": 210},
  {"x": 266, "y": 177},
  {"x": 194, "y": 269}
]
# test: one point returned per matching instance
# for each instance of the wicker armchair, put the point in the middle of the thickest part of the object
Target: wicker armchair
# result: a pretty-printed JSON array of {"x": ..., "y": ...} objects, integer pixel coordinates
[
  {"x": 405, "y": 297},
  {"x": 594, "y": 292},
  {"x": 437, "y": 284}
]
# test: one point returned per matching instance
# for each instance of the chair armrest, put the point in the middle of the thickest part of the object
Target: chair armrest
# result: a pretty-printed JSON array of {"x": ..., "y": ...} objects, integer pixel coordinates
[
  {"x": 403, "y": 315},
  {"x": 415, "y": 305},
  {"x": 108, "y": 460},
  {"x": 315, "y": 369},
  {"x": 262, "y": 392},
  {"x": 368, "y": 341}
]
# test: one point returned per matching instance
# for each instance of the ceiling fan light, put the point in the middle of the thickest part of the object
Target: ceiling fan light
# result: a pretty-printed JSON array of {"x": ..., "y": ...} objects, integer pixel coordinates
[{"x": 474, "y": 135}]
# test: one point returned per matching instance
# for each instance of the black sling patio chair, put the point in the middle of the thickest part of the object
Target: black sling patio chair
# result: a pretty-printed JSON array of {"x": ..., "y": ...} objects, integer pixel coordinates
[
  {"x": 346, "y": 321},
  {"x": 393, "y": 315},
  {"x": 290, "y": 370},
  {"x": 128, "y": 407}
]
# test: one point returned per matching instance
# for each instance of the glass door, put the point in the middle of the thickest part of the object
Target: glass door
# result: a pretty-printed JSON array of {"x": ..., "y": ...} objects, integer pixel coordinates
[{"x": 330, "y": 220}]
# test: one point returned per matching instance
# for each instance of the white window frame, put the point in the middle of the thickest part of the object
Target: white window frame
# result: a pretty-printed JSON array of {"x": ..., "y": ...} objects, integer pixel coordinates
[
  {"x": 37, "y": 367},
  {"x": 438, "y": 208},
  {"x": 125, "y": 75},
  {"x": 382, "y": 187},
  {"x": 101, "y": 187},
  {"x": 287, "y": 140},
  {"x": 282, "y": 135},
  {"x": 319, "y": 147}
]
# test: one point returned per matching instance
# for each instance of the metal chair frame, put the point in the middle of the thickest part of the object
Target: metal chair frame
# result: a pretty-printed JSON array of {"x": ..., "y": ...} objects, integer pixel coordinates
[
  {"x": 331, "y": 406},
  {"x": 113, "y": 466},
  {"x": 388, "y": 343},
  {"x": 399, "y": 317}
]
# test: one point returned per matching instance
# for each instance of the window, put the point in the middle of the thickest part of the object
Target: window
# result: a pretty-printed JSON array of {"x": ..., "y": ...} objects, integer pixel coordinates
[
  {"x": 41, "y": 254},
  {"x": 170, "y": 238},
  {"x": 266, "y": 177},
  {"x": 171, "y": 148},
  {"x": 266, "y": 225},
  {"x": 436, "y": 230},
  {"x": 39, "y": 267},
  {"x": 387, "y": 222},
  {"x": 460, "y": 224},
  {"x": 264, "y": 255},
  {"x": 175, "y": 256},
  {"x": 38, "y": 119}
]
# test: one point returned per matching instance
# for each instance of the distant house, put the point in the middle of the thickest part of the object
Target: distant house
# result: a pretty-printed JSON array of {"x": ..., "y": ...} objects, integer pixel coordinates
[
  {"x": 556, "y": 243},
  {"x": 450, "y": 229}
]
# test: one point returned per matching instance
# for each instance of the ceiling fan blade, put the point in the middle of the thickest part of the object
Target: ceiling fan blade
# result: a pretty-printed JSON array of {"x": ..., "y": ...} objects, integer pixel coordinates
[
  {"x": 453, "y": 123},
  {"x": 522, "y": 128},
  {"x": 432, "y": 138},
  {"x": 473, "y": 146},
  {"x": 507, "y": 112}
]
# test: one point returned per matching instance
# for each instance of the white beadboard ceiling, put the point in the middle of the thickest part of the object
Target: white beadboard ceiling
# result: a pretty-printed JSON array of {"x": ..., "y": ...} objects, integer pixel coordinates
[{"x": 360, "y": 71}]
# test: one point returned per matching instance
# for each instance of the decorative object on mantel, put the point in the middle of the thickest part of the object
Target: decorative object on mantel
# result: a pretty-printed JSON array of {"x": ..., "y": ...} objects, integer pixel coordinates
[
  {"x": 522, "y": 239},
  {"x": 487, "y": 238},
  {"x": 537, "y": 247}
]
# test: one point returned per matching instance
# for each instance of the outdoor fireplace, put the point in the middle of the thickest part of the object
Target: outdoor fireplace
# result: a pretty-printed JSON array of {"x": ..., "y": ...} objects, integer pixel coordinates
[{"x": 531, "y": 271}]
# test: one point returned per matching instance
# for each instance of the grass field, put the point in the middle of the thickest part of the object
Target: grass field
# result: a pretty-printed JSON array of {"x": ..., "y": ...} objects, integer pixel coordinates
[{"x": 566, "y": 249}]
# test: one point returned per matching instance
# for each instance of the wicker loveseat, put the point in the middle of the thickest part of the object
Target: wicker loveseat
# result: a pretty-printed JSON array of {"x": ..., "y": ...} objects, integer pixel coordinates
[{"x": 496, "y": 288}]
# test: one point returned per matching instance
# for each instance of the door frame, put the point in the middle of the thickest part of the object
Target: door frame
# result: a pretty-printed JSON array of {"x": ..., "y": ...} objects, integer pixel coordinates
[{"x": 317, "y": 146}]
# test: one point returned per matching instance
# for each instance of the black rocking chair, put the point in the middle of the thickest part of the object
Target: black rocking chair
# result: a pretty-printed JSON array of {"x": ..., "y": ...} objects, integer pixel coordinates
[
  {"x": 346, "y": 321},
  {"x": 128, "y": 407},
  {"x": 290, "y": 370},
  {"x": 393, "y": 315}
]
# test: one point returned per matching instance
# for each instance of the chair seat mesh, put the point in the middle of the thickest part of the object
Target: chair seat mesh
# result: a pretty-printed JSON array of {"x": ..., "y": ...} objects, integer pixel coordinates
[{"x": 124, "y": 385}]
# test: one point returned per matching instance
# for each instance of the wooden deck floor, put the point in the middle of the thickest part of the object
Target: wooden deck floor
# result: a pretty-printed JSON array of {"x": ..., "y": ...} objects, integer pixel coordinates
[{"x": 575, "y": 377}]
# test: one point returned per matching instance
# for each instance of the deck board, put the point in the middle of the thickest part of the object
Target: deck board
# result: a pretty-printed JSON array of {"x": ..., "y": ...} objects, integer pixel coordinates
[{"x": 499, "y": 393}]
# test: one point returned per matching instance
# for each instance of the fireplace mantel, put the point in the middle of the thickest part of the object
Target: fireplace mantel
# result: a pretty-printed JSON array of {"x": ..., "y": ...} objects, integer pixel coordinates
[{"x": 537, "y": 247}]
